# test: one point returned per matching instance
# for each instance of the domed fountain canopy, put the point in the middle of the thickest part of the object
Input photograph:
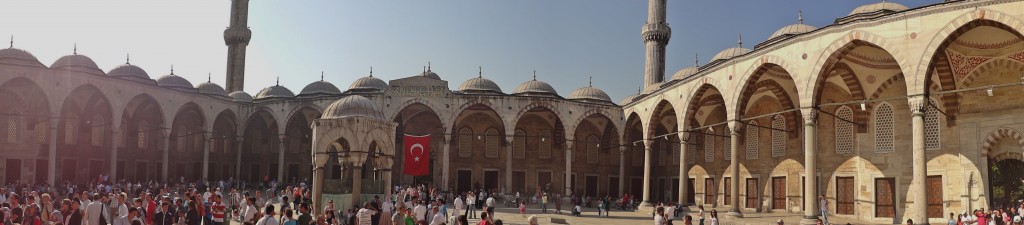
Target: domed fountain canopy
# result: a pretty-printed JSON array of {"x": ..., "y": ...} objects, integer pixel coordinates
[{"x": 353, "y": 105}]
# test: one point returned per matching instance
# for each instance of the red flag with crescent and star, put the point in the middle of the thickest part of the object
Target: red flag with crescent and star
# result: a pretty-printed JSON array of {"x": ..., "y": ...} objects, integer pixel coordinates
[{"x": 417, "y": 155}]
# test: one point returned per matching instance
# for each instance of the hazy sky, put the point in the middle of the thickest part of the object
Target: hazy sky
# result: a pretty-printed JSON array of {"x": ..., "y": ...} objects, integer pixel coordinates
[{"x": 566, "y": 41}]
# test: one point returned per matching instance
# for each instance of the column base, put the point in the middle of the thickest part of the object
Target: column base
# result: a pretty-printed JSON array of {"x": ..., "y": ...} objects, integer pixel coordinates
[
  {"x": 734, "y": 214},
  {"x": 645, "y": 206},
  {"x": 809, "y": 220}
]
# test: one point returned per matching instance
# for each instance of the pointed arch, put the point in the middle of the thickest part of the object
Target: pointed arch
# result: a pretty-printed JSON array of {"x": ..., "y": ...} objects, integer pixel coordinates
[
  {"x": 998, "y": 135},
  {"x": 840, "y": 48}
]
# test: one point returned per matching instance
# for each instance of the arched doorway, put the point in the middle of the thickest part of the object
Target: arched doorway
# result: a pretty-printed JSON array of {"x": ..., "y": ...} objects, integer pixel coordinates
[
  {"x": 418, "y": 119},
  {"x": 1005, "y": 150}
]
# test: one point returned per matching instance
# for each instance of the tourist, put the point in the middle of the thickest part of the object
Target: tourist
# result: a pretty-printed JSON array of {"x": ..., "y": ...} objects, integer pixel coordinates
[
  {"x": 779, "y": 222},
  {"x": 463, "y": 220},
  {"x": 687, "y": 220},
  {"x": 127, "y": 218},
  {"x": 57, "y": 216},
  {"x": 558, "y": 205},
  {"x": 32, "y": 216},
  {"x": 420, "y": 212},
  {"x": 94, "y": 213},
  {"x": 375, "y": 206},
  {"x": 365, "y": 215},
  {"x": 286, "y": 218},
  {"x": 490, "y": 201},
  {"x": 410, "y": 219},
  {"x": 459, "y": 206},
  {"x": 700, "y": 215},
  {"x": 910, "y": 222},
  {"x": 164, "y": 217},
  {"x": 45, "y": 207},
  {"x": 522, "y": 209},
  {"x": 399, "y": 217},
  {"x": 386, "y": 208},
  {"x": 714, "y": 217},
  {"x": 304, "y": 217},
  {"x": 438, "y": 218},
  {"x": 544, "y": 203},
  {"x": 823, "y": 203},
  {"x": 249, "y": 212},
  {"x": 217, "y": 209},
  {"x": 268, "y": 216},
  {"x": 659, "y": 216},
  {"x": 577, "y": 210},
  {"x": 485, "y": 219},
  {"x": 471, "y": 210}
]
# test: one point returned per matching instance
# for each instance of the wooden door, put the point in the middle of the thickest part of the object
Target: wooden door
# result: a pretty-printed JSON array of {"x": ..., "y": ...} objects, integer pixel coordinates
[
  {"x": 519, "y": 181},
  {"x": 70, "y": 170},
  {"x": 591, "y": 182},
  {"x": 778, "y": 192},
  {"x": 691, "y": 191},
  {"x": 636, "y": 186},
  {"x": 934, "y": 196},
  {"x": 752, "y": 193},
  {"x": 465, "y": 180},
  {"x": 490, "y": 180},
  {"x": 885, "y": 199},
  {"x": 709, "y": 190},
  {"x": 613, "y": 186},
  {"x": 13, "y": 171},
  {"x": 43, "y": 171},
  {"x": 727, "y": 184},
  {"x": 95, "y": 169},
  {"x": 675, "y": 190},
  {"x": 141, "y": 170},
  {"x": 544, "y": 180},
  {"x": 844, "y": 195}
]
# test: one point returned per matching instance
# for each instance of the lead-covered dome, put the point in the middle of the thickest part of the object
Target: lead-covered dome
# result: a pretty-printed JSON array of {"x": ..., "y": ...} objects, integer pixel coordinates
[
  {"x": 129, "y": 72},
  {"x": 276, "y": 91},
  {"x": 240, "y": 96},
  {"x": 730, "y": 53},
  {"x": 174, "y": 82},
  {"x": 368, "y": 84},
  {"x": 480, "y": 85},
  {"x": 320, "y": 87},
  {"x": 19, "y": 57},
  {"x": 792, "y": 29},
  {"x": 628, "y": 99},
  {"x": 590, "y": 93},
  {"x": 535, "y": 87},
  {"x": 881, "y": 6},
  {"x": 210, "y": 88},
  {"x": 353, "y": 105},
  {"x": 685, "y": 72},
  {"x": 77, "y": 63}
]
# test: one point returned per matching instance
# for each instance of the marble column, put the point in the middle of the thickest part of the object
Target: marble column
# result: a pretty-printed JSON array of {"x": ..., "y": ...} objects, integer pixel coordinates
[
  {"x": 647, "y": 175},
  {"x": 445, "y": 163},
  {"x": 919, "y": 209},
  {"x": 357, "y": 184},
  {"x": 318, "y": 188},
  {"x": 206, "y": 155},
  {"x": 238, "y": 159},
  {"x": 164, "y": 173},
  {"x": 684, "y": 171},
  {"x": 280, "y": 159},
  {"x": 114, "y": 125},
  {"x": 52, "y": 167},
  {"x": 568, "y": 169},
  {"x": 734, "y": 165},
  {"x": 810, "y": 166},
  {"x": 622, "y": 170},
  {"x": 508, "y": 164}
]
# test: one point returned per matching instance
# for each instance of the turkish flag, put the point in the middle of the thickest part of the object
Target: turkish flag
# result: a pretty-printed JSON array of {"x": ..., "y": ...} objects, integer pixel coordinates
[{"x": 417, "y": 155}]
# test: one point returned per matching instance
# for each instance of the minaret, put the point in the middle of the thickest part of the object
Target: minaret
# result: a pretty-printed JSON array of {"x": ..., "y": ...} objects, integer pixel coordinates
[
  {"x": 656, "y": 34},
  {"x": 236, "y": 37}
]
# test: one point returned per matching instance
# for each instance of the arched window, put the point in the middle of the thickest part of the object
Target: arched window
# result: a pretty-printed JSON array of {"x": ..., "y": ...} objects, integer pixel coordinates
[
  {"x": 884, "y": 129},
  {"x": 675, "y": 149},
  {"x": 261, "y": 142},
  {"x": 931, "y": 127},
  {"x": 844, "y": 130},
  {"x": 778, "y": 136},
  {"x": 753, "y": 140},
  {"x": 141, "y": 131},
  {"x": 661, "y": 149},
  {"x": 691, "y": 151},
  {"x": 638, "y": 155},
  {"x": 492, "y": 142},
  {"x": 544, "y": 146},
  {"x": 96, "y": 126},
  {"x": 592, "y": 149},
  {"x": 180, "y": 136},
  {"x": 465, "y": 143},
  {"x": 709, "y": 145},
  {"x": 519, "y": 144},
  {"x": 727, "y": 142},
  {"x": 41, "y": 131},
  {"x": 71, "y": 130},
  {"x": 15, "y": 125}
]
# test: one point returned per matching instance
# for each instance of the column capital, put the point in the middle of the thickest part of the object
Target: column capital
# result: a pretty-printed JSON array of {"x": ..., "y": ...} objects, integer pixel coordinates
[
  {"x": 735, "y": 126},
  {"x": 648, "y": 144},
  {"x": 810, "y": 115},
  {"x": 918, "y": 105}
]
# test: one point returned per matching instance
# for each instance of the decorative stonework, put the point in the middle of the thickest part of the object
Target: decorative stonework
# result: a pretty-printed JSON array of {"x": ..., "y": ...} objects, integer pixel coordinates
[
  {"x": 962, "y": 64},
  {"x": 997, "y": 135}
]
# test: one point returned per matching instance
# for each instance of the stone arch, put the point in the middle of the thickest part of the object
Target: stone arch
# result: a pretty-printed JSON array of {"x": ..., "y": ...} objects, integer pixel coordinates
[
  {"x": 894, "y": 80},
  {"x": 471, "y": 103},
  {"x": 988, "y": 66},
  {"x": 663, "y": 109},
  {"x": 224, "y": 130},
  {"x": 304, "y": 106},
  {"x": 186, "y": 118},
  {"x": 25, "y": 99},
  {"x": 955, "y": 28},
  {"x": 780, "y": 95},
  {"x": 592, "y": 112},
  {"x": 697, "y": 99},
  {"x": 844, "y": 45},
  {"x": 753, "y": 74},
  {"x": 997, "y": 135},
  {"x": 425, "y": 102}
]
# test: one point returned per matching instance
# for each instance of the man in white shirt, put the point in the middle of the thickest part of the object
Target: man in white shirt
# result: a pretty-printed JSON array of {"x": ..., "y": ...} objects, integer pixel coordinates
[
  {"x": 459, "y": 206},
  {"x": 127, "y": 219},
  {"x": 471, "y": 210},
  {"x": 420, "y": 211},
  {"x": 438, "y": 217},
  {"x": 268, "y": 216},
  {"x": 490, "y": 201},
  {"x": 250, "y": 211},
  {"x": 95, "y": 211},
  {"x": 364, "y": 216},
  {"x": 659, "y": 217}
]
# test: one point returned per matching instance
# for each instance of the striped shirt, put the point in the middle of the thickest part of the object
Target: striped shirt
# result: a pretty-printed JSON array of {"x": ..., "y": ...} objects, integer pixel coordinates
[{"x": 218, "y": 211}]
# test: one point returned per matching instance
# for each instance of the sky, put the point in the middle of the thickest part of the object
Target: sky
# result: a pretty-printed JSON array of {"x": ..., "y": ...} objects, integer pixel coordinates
[{"x": 565, "y": 41}]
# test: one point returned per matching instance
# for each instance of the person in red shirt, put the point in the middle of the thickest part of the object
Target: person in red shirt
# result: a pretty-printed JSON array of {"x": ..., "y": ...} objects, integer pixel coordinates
[{"x": 217, "y": 209}]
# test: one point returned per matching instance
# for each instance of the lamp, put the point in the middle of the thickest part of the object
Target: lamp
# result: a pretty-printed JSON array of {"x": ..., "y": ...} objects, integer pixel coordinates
[
  {"x": 478, "y": 137},
  {"x": 863, "y": 106},
  {"x": 989, "y": 91},
  {"x": 542, "y": 139}
]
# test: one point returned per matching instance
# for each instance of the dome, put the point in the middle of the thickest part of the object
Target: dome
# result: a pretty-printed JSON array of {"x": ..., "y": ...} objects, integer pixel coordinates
[
  {"x": 793, "y": 29},
  {"x": 430, "y": 74},
  {"x": 19, "y": 57},
  {"x": 210, "y": 88},
  {"x": 129, "y": 71},
  {"x": 240, "y": 96},
  {"x": 174, "y": 81},
  {"x": 79, "y": 62},
  {"x": 730, "y": 53},
  {"x": 353, "y": 105},
  {"x": 369, "y": 84},
  {"x": 685, "y": 72},
  {"x": 276, "y": 91},
  {"x": 590, "y": 93},
  {"x": 535, "y": 87},
  {"x": 627, "y": 100},
  {"x": 320, "y": 87},
  {"x": 479, "y": 84},
  {"x": 881, "y": 6}
]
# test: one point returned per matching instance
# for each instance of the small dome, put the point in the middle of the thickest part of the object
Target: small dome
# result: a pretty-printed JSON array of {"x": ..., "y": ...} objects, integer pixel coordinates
[
  {"x": 369, "y": 84},
  {"x": 240, "y": 96},
  {"x": 210, "y": 88},
  {"x": 430, "y": 74},
  {"x": 590, "y": 93},
  {"x": 353, "y": 105},
  {"x": 627, "y": 99},
  {"x": 535, "y": 87},
  {"x": 730, "y": 53},
  {"x": 685, "y": 72},
  {"x": 793, "y": 29},
  {"x": 276, "y": 91},
  {"x": 479, "y": 84},
  {"x": 320, "y": 87},
  {"x": 18, "y": 57},
  {"x": 129, "y": 71},
  {"x": 174, "y": 81},
  {"x": 881, "y": 6},
  {"x": 77, "y": 62}
]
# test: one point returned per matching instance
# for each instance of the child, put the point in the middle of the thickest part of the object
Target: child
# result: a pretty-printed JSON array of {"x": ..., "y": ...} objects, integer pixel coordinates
[{"x": 522, "y": 209}]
